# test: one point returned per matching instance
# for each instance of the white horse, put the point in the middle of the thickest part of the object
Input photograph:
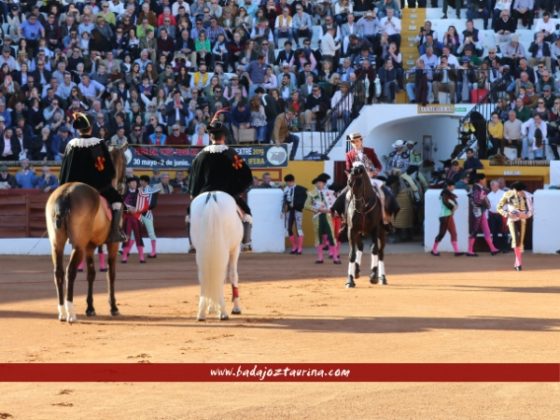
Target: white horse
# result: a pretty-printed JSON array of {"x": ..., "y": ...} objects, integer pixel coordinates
[{"x": 216, "y": 233}]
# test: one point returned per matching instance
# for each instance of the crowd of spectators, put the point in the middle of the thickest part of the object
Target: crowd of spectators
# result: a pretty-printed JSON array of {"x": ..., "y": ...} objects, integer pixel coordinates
[{"x": 156, "y": 72}]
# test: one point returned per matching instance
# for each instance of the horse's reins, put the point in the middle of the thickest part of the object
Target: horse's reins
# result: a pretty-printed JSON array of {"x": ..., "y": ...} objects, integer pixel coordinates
[{"x": 362, "y": 201}]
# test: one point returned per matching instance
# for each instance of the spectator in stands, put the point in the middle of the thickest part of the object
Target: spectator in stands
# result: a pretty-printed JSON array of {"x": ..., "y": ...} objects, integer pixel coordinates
[
  {"x": 283, "y": 26},
  {"x": 444, "y": 80},
  {"x": 504, "y": 27},
  {"x": 456, "y": 6},
  {"x": 391, "y": 25},
  {"x": 165, "y": 186},
  {"x": 370, "y": 28},
  {"x": 496, "y": 134},
  {"x": 513, "y": 51},
  {"x": 471, "y": 37},
  {"x": 47, "y": 181},
  {"x": 281, "y": 132},
  {"x": 545, "y": 26},
  {"x": 258, "y": 116},
  {"x": 341, "y": 106},
  {"x": 240, "y": 118},
  {"x": 7, "y": 181},
  {"x": 180, "y": 182},
  {"x": 26, "y": 177},
  {"x": 523, "y": 9},
  {"x": 479, "y": 9},
  {"x": 500, "y": 5},
  {"x": 545, "y": 86},
  {"x": 513, "y": 132},
  {"x": 388, "y": 77},
  {"x": 522, "y": 112},
  {"x": 177, "y": 137},
  {"x": 540, "y": 51},
  {"x": 535, "y": 138},
  {"x": 316, "y": 106},
  {"x": 8, "y": 143},
  {"x": 418, "y": 90},
  {"x": 301, "y": 24},
  {"x": 157, "y": 138}
]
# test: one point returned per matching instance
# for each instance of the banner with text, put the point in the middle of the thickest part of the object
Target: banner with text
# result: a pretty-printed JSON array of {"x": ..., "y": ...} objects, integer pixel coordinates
[{"x": 257, "y": 156}]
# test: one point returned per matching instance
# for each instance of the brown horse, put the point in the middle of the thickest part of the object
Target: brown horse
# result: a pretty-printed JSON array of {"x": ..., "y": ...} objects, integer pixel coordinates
[
  {"x": 77, "y": 213},
  {"x": 364, "y": 217}
]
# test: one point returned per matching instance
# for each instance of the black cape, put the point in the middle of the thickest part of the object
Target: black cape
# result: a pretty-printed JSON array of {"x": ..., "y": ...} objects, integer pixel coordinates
[
  {"x": 219, "y": 168},
  {"x": 88, "y": 160}
]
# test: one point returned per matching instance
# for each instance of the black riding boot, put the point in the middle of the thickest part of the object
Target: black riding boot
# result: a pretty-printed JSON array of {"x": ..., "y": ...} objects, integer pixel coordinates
[
  {"x": 246, "y": 242},
  {"x": 116, "y": 234}
]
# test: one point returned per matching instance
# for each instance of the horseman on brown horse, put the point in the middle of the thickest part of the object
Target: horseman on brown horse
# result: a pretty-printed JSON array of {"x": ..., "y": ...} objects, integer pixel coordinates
[{"x": 76, "y": 212}]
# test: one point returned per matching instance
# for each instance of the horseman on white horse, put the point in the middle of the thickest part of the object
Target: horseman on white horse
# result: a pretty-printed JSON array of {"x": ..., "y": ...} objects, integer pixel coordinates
[{"x": 219, "y": 168}]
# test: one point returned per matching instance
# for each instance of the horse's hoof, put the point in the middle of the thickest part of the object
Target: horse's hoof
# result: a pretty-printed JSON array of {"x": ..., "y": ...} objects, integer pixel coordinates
[
  {"x": 224, "y": 317},
  {"x": 152, "y": 256},
  {"x": 383, "y": 281},
  {"x": 71, "y": 319},
  {"x": 236, "y": 311},
  {"x": 142, "y": 261},
  {"x": 123, "y": 262},
  {"x": 350, "y": 283},
  {"x": 90, "y": 312},
  {"x": 200, "y": 319},
  {"x": 103, "y": 270},
  {"x": 80, "y": 270},
  {"x": 115, "y": 312},
  {"x": 373, "y": 279}
]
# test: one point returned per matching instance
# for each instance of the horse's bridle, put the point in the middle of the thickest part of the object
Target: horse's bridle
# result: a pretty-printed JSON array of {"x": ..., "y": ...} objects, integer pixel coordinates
[{"x": 361, "y": 206}]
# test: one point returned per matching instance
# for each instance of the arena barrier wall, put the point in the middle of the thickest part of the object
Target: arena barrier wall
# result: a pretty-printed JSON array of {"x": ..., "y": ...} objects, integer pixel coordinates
[
  {"x": 268, "y": 220},
  {"x": 432, "y": 207},
  {"x": 546, "y": 229}
]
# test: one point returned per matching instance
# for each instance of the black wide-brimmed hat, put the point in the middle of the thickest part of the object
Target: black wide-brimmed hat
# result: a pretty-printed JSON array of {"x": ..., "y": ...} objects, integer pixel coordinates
[
  {"x": 519, "y": 186},
  {"x": 217, "y": 129},
  {"x": 321, "y": 178},
  {"x": 81, "y": 122}
]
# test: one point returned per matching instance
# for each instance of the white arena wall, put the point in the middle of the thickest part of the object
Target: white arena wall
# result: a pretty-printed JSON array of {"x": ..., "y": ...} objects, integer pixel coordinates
[{"x": 546, "y": 229}]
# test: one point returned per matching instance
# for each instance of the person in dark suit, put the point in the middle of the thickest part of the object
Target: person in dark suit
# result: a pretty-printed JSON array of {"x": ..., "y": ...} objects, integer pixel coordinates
[
  {"x": 9, "y": 145},
  {"x": 294, "y": 202}
]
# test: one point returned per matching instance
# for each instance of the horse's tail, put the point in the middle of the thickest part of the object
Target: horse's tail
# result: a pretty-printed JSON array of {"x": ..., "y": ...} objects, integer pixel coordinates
[
  {"x": 212, "y": 250},
  {"x": 61, "y": 210}
]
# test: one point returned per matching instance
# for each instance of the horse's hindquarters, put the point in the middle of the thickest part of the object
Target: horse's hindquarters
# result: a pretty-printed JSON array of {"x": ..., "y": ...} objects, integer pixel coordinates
[{"x": 216, "y": 233}]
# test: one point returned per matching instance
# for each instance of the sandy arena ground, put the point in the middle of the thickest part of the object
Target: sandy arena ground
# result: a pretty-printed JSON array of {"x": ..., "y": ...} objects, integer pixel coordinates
[{"x": 444, "y": 309}]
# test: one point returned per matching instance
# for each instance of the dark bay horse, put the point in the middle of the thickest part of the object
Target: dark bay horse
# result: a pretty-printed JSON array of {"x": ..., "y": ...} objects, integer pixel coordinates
[
  {"x": 364, "y": 217},
  {"x": 76, "y": 212}
]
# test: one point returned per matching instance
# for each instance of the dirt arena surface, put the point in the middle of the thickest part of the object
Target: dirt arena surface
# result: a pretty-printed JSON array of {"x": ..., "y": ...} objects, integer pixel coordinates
[{"x": 444, "y": 309}]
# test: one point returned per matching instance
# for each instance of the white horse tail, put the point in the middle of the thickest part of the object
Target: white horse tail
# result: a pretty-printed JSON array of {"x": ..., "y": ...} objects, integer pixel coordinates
[{"x": 212, "y": 249}]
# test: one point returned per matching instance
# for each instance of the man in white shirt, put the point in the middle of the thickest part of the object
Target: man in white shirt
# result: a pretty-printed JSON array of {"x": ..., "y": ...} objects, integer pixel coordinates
[
  {"x": 341, "y": 105},
  {"x": 530, "y": 147},
  {"x": 513, "y": 132},
  {"x": 547, "y": 26},
  {"x": 494, "y": 218},
  {"x": 391, "y": 25},
  {"x": 328, "y": 45}
]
